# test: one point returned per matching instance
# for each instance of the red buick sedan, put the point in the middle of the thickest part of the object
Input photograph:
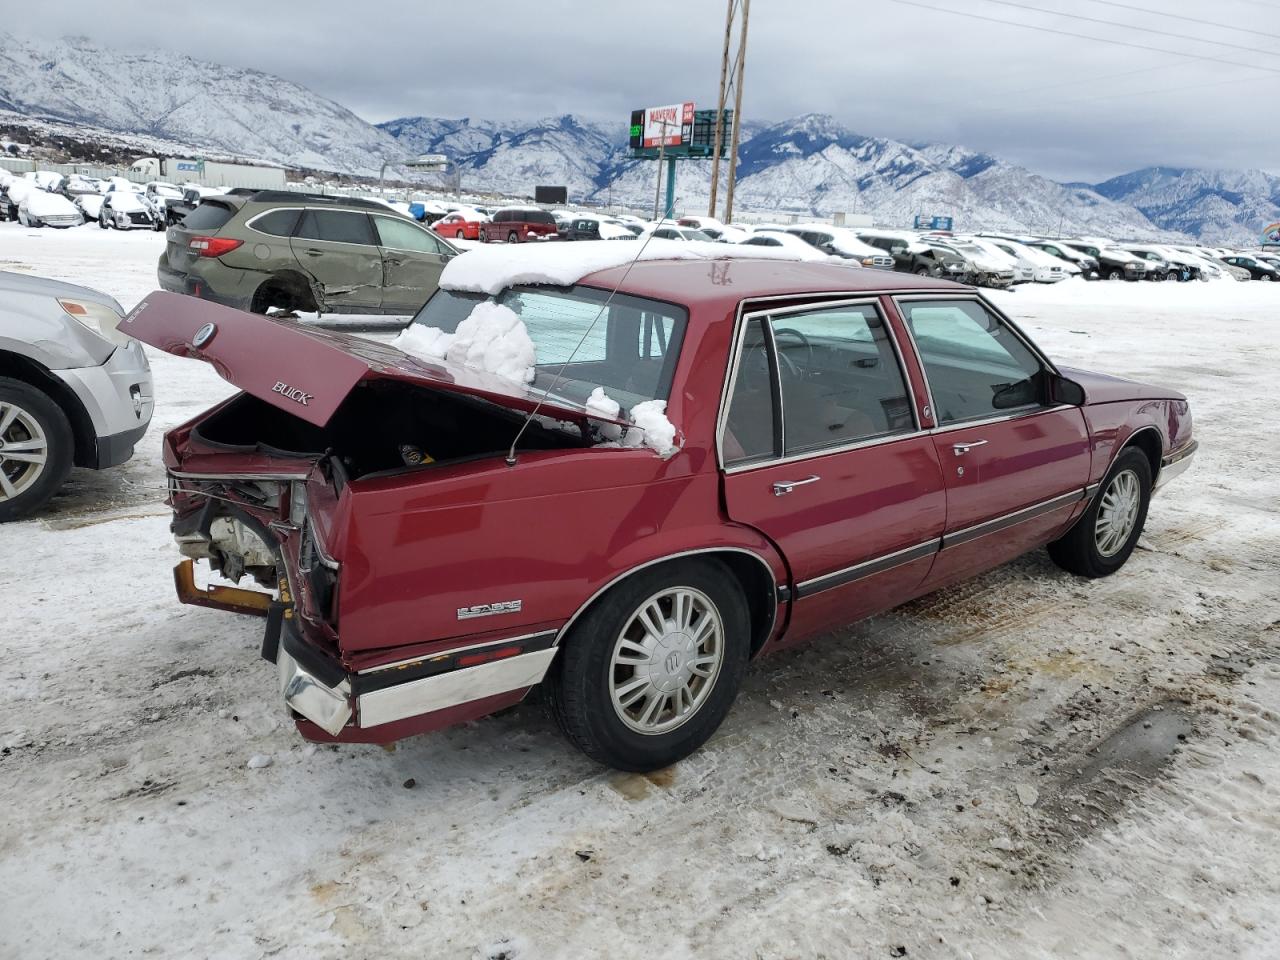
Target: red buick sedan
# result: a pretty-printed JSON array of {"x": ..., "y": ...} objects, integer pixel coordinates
[{"x": 426, "y": 552}]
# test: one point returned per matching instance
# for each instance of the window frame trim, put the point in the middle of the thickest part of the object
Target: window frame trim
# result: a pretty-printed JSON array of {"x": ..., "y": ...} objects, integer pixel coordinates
[
  {"x": 939, "y": 426},
  {"x": 249, "y": 224},
  {"x": 748, "y": 312},
  {"x": 448, "y": 251}
]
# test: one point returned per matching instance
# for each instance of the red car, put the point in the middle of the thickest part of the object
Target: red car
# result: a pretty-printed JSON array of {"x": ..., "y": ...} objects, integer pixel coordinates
[
  {"x": 847, "y": 440},
  {"x": 518, "y": 224},
  {"x": 457, "y": 226}
]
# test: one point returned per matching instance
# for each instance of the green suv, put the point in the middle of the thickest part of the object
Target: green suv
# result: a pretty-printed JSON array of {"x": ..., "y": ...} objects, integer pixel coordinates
[{"x": 304, "y": 252}]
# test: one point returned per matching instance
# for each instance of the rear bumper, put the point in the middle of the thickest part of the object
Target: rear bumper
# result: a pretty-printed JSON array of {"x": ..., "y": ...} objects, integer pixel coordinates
[
  {"x": 386, "y": 703},
  {"x": 194, "y": 285}
]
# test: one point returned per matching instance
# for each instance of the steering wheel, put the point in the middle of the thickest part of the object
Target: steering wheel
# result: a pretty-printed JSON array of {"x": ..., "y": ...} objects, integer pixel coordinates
[{"x": 797, "y": 372}]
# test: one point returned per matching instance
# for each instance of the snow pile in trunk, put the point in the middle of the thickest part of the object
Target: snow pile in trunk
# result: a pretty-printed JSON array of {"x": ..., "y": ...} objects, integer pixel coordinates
[
  {"x": 492, "y": 269},
  {"x": 655, "y": 430},
  {"x": 492, "y": 338},
  {"x": 601, "y": 403}
]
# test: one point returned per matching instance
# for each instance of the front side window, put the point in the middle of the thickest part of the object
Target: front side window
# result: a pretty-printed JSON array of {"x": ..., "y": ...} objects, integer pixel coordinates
[
  {"x": 629, "y": 347},
  {"x": 402, "y": 235},
  {"x": 976, "y": 365},
  {"x": 841, "y": 382}
]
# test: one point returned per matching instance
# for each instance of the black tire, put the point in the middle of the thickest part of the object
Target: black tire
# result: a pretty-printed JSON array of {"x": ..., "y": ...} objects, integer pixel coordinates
[
  {"x": 102, "y": 222},
  {"x": 1265, "y": 278},
  {"x": 922, "y": 271},
  {"x": 513, "y": 237},
  {"x": 579, "y": 689},
  {"x": 1115, "y": 275},
  {"x": 61, "y": 448},
  {"x": 459, "y": 235},
  {"x": 1078, "y": 552}
]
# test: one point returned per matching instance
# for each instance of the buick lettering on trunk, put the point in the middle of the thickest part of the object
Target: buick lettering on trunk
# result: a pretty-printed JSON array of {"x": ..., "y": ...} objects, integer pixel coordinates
[{"x": 845, "y": 440}]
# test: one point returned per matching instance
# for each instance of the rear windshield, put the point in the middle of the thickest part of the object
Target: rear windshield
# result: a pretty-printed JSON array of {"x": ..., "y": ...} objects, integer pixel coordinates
[
  {"x": 629, "y": 347},
  {"x": 210, "y": 215}
]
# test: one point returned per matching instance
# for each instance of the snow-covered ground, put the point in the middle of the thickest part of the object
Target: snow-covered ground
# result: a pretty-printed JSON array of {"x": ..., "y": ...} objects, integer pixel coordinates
[{"x": 1024, "y": 766}]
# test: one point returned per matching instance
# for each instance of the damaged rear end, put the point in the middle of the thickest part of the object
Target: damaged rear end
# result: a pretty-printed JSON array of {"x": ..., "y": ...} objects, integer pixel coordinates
[{"x": 265, "y": 489}]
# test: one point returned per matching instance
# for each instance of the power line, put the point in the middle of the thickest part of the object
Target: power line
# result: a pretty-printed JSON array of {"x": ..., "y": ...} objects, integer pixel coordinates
[
  {"x": 1130, "y": 26},
  {"x": 1181, "y": 16},
  {"x": 1085, "y": 36}
]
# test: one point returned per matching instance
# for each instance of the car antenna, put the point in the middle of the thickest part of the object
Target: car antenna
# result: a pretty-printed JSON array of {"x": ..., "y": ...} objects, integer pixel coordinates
[{"x": 511, "y": 453}]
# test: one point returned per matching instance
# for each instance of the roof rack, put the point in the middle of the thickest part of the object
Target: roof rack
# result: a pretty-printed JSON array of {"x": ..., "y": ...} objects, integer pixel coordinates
[{"x": 291, "y": 196}]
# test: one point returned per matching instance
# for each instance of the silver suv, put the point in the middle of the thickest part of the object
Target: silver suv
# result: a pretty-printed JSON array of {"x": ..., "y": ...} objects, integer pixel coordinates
[{"x": 74, "y": 390}]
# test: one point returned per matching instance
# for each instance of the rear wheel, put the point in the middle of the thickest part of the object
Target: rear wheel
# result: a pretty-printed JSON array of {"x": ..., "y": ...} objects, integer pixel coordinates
[
  {"x": 1105, "y": 534},
  {"x": 650, "y": 671},
  {"x": 513, "y": 237},
  {"x": 36, "y": 448},
  {"x": 922, "y": 271},
  {"x": 284, "y": 293}
]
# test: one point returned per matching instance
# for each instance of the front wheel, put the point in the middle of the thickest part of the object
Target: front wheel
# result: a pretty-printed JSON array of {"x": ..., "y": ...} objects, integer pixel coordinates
[
  {"x": 36, "y": 446},
  {"x": 648, "y": 674},
  {"x": 1105, "y": 534},
  {"x": 1115, "y": 275},
  {"x": 1265, "y": 278}
]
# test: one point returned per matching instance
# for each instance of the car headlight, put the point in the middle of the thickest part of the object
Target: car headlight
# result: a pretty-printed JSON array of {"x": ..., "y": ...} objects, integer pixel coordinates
[
  {"x": 955, "y": 267},
  {"x": 95, "y": 317}
]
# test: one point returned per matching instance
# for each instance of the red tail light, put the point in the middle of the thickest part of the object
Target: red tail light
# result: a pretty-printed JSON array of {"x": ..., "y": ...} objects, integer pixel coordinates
[{"x": 212, "y": 246}]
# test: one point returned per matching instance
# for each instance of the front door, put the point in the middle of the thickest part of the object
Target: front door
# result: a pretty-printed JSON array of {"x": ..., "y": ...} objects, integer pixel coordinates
[
  {"x": 412, "y": 260},
  {"x": 338, "y": 249},
  {"x": 1015, "y": 463},
  {"x": 823, "y": 455}
]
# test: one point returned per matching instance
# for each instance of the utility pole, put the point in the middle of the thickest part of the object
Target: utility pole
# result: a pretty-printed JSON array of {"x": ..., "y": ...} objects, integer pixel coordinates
[
  {"x": 737, "y": 114},
  {"x": 724, "y": 79}
]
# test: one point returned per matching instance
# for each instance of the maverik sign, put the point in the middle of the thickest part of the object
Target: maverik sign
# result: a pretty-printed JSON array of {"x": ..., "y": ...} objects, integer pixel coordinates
[
  {"x": 1271, "y": 235},
  {"x": 668, "y": 126}
]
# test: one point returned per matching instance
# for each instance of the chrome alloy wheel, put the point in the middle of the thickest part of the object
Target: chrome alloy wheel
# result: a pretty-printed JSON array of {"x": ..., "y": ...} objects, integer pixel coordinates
[
  {"x": 1117, "y": 513},
  {"x": 24, "y": 450},
  {"x": 666, "y": 660}
]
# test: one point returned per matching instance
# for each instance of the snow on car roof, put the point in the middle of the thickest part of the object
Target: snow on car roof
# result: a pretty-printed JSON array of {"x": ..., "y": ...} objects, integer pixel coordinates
[{"x": 491, "y": 269}]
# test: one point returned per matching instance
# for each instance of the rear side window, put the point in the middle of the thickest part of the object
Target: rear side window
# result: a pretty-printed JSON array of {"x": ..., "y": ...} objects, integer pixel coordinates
[
  {"x": 210, "y": 215},
  {"x": 750, "y": 431},
  {"x": 336, "y": 226},
  {"x": 278, "y": 223}
]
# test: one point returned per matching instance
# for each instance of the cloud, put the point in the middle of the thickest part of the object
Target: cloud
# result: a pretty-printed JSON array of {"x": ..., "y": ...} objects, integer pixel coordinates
[{"x": 1069, "y": 108}]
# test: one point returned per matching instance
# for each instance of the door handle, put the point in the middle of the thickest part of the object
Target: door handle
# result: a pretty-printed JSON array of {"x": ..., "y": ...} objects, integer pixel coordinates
[
  {"x": 393, "y": 261},
  {"x": 962, "y": 448},
  {"x": 314, "y": 252},
  {"x": 783, "y": 487}
]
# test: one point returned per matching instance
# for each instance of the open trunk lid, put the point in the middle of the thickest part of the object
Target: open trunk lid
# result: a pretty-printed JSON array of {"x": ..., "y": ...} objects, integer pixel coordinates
[{"x": 305, "y": 371}]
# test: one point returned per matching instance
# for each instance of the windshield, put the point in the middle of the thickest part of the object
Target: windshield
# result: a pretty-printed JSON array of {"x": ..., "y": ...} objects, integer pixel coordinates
[{"x": 630, "y": 351}]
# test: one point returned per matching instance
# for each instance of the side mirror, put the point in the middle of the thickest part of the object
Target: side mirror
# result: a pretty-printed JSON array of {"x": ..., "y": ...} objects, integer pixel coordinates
[{"x": 1062, "y": 390}]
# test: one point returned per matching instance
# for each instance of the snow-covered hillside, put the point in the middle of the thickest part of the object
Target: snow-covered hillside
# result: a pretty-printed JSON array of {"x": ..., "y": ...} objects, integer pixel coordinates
[
  {"x": 165, "y": 95},
  {"x": 810, "y": 165},
  {"x": 1214, "y": 205}
]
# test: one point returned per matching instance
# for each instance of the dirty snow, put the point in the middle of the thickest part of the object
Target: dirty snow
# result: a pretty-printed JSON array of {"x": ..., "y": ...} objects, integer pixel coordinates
[
  {"x": 491, "y": 268},
  {"x": 492, "y": 338},
  {"x": 861, "y": 800}
]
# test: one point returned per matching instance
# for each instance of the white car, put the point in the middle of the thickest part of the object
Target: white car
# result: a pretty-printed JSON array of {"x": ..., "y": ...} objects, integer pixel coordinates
[
  {"x": 792, "y": 245},
  {"x": 89, "y": 204},
  {"x": 842, "y": 242},
  {"x": 126, "y": 210},
  {"x": 40, "y": 209},
  {"x": 46, "y": 179},
  {"x": 1045, "y": 268},
  {"x": 1024, "y": 271}
]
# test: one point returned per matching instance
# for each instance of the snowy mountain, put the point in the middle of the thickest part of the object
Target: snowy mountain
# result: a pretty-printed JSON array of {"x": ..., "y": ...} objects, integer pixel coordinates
[
  {"x": 233, "y": 111},
  {"x": 810, "y": 165},
  {"x": 1214, "y": 205}
]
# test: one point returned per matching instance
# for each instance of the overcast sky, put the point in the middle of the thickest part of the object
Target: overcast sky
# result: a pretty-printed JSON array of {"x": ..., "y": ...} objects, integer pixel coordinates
[{"x": 1067, "y": 107}]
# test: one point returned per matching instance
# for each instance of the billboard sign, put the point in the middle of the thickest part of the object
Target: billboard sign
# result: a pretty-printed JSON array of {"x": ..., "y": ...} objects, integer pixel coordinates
[
  {"x": 1271, "y": 234},
  {"x": 933, "y": 223},
  {"x": 669, "y": 126}
]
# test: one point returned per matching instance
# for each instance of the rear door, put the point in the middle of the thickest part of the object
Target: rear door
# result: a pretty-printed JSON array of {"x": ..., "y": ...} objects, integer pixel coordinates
[
  {"x": 1015, "y": 463},
  {"x": 340, "y": 252},
  {"x": 822, "y": 453},
  {"x": 412, "y": 259}
]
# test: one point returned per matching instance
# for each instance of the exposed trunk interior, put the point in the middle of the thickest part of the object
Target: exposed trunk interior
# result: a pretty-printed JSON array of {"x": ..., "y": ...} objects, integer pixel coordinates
[{"x": 383, "y": 425}]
